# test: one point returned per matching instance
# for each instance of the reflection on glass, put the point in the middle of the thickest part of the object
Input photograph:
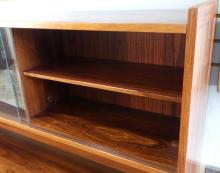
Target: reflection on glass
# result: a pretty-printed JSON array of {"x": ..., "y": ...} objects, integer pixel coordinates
[{"x": 11, "y": 100}]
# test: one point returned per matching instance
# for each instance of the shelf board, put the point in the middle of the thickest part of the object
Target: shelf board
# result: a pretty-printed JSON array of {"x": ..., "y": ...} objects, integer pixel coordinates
[
  {"x": 152, "y": 81},
  {"x": 142, "y": 137},
  {"x": 164, "y": 21}
]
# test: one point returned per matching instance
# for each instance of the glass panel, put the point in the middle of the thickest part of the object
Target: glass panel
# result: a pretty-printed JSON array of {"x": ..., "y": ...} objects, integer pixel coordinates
[{"x": 11, "y": 98}]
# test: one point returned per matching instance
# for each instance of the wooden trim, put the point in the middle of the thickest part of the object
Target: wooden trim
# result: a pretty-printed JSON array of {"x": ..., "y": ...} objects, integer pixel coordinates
[
  {"x": 76, "y": 148},
  {"x": 156, "y": 28},
  {"x": 199, "y": 45}
]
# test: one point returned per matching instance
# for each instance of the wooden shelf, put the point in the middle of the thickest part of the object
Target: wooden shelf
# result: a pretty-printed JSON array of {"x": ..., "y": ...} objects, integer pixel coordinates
[
  {"x": 143, "y": 137},
  {"x": 152, "y": 81},
  {"x": 164, "y": 21}
]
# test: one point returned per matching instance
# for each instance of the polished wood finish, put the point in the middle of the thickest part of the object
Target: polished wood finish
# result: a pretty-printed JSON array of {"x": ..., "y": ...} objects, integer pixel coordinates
[
  {"x": 200, "y": 38},
  {"x": 169, "y": 21},
  {"x": 113, "y": 129},
  {"x": 122, "y": 77},
  {"x": 71, "y": 146},
  {"x": 141, "y": 103},
  {"x": 128, "y": 27},
  {"x": 33, "y": 89},
  {"x": 22, "y": 155},
  {"x": 30, "y": 54},
  {"x": 59, "y": 46},
  {"x": 190, "y": 50},
  {"x": 147, "y": 48}
]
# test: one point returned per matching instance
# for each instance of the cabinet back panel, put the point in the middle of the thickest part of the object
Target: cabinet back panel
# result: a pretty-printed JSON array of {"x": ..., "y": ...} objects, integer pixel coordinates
[
  {"x": 150, "y": 48},
  {"x": 135, "y": 102}
]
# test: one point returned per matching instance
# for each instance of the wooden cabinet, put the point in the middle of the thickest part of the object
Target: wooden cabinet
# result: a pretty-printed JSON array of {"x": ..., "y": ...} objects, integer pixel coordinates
[{"x": 124, "y": 89}]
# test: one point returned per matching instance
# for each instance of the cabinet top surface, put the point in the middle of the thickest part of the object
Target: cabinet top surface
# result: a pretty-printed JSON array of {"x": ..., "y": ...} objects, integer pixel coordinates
[
  {"x": 100, "y": 16},
  {"x": 168, "y": 21}
]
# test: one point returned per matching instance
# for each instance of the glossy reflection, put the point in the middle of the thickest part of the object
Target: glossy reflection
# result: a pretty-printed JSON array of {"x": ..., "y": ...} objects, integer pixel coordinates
[{"x": 11, "y": 100}]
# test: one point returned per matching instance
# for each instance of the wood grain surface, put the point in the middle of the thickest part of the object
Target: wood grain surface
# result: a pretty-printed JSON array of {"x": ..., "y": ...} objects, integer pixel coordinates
[
  {"x": 140, "y": 136},
  {"x": 46, "y": 46},
  {"x": 141, "y": 103},
  {"x": 28, "y": 56},
  {"x": 22, "y": 155},
  {"x": 76, "y": 148},
  {"x": 123, "y": 77},
  {"x": 148, "y": 48},
  {"x": 164, "y": 21},
  {"x": 120, "y": 144},
  {"x": 200, "y": 39}
]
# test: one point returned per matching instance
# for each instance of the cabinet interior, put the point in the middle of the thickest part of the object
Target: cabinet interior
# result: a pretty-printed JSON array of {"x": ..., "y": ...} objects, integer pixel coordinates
[{"x": 119, "y": 92}]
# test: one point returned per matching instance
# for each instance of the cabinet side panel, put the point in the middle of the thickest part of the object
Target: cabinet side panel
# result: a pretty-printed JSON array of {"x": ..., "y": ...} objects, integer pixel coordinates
[
  {"x": 34, "y": 47},
  {"x": 27, "y": 57},
  {"x": 199, "y": 44}
]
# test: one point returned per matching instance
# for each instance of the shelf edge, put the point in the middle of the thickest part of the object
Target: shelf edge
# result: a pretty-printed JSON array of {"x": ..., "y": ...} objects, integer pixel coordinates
[{"x": 105, "y": 87}]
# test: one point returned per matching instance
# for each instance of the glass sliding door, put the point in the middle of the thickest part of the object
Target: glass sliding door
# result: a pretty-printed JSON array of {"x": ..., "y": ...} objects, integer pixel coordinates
[{"x": 11, "y": 97}]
